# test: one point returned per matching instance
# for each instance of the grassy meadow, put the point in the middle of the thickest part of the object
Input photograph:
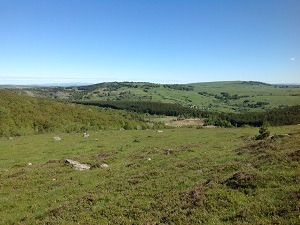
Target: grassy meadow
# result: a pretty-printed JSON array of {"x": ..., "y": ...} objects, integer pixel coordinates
[{"x": 174, "y": 176}]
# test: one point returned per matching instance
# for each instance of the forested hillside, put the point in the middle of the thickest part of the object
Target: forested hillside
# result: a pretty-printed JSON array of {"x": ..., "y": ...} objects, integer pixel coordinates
[{"x": 22, "y": 115}]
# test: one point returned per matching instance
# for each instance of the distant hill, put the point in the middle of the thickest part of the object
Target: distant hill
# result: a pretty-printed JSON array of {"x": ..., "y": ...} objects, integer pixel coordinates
[
  {"x": 23, "y": 115},
  {"x": 229, "y": 96},
  {"x": 61, "y": 84}
]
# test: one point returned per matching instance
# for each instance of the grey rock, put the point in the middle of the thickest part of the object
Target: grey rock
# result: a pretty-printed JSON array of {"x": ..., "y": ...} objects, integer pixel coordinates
[{"x": 77, "y": 165}]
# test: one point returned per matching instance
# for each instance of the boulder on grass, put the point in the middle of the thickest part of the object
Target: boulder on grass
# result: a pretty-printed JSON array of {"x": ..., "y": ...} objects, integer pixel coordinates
[{"x": 77, "y": 165}]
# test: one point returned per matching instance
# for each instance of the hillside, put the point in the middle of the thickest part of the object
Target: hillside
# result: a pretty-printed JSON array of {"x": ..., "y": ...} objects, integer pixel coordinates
[
  {"x": 175, "y": 176},
  {"x": 235, "y": 96},
  {"x": 23, "y": 115}
]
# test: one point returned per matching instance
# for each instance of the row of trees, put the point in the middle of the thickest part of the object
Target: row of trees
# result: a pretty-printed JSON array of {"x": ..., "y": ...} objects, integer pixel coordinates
[
  {"x": 224, "y": 96},
  {"x": 153, "y": 108},
  {"x": 181, "y": 87},
  {"x": 275, "y": 117}
]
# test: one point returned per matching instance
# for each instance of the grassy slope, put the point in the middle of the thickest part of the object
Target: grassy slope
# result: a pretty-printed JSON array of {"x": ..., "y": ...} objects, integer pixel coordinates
[
  {"x": 187, "y": 180},
  {"x": 22, "y": 115},
  {"x": 256, "y": 92}
]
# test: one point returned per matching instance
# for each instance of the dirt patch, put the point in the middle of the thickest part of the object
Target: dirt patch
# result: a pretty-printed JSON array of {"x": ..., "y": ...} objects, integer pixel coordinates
[
  {"x": 242, "y": 179},
  {"x": 174, "y": 122},
  {"x": 294, "y": 156},
  {"x": 258, "y": 147},
  {"x": 193, "y": 197},
  {"x": 83, "y": 204}
]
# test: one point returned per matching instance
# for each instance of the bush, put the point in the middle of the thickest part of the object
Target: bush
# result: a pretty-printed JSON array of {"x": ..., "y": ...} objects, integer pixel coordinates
[{"x": 264, "y": 133}]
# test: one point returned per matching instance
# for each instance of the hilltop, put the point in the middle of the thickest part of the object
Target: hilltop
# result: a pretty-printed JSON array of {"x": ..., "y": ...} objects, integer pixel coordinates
[{"x": 230, "y": 96}]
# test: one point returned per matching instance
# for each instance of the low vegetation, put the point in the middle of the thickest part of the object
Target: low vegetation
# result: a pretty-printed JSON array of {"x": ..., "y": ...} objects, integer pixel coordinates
[
  {"x": 174, "y": 176},
  {"x": 23, "y": 115}
]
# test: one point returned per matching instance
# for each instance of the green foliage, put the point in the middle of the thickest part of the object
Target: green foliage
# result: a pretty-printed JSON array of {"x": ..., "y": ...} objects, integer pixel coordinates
[
  {"x": 111, "y": 86},
  {"x": 150, "y": 107},
  {"x": 264, "y": 132},
  {"x": 22, "y": 115},
  {"x": 275, "y": 117},
  {"x": 180, "y": 87},
  {"x": 217, "y": 121}
]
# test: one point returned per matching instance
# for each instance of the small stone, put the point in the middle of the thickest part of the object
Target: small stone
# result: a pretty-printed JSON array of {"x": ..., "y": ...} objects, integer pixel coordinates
[
  {"x": 149, "y": 159},
  {"x": 168, "y": 151},
  {"x": 104, "y": 165},
  {"x": 85, "y": 135},
  {"x": 30, "y": 164}
]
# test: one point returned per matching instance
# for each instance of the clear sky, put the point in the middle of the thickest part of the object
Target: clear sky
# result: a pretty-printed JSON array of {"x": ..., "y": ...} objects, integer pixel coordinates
[{"x": 160, "y": 41}]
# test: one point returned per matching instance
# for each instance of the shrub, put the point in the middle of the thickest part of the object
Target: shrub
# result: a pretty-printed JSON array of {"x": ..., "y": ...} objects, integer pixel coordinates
[{"x": 264, "y": 133}]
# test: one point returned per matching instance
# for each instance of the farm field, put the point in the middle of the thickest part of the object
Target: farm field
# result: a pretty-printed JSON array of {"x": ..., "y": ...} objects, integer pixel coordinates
[{"x": 169, "y": 176}]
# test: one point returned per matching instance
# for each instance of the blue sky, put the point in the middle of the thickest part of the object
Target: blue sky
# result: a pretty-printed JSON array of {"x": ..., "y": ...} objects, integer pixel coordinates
[{"x": 160, "y": 41}]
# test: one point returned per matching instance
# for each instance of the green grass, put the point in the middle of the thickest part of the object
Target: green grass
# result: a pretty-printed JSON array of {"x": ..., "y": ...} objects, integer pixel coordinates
[{"x": 208, "y": 176}]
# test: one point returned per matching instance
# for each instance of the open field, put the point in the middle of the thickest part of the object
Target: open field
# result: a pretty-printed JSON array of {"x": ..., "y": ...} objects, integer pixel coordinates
[{"x": 175, "y": 176}]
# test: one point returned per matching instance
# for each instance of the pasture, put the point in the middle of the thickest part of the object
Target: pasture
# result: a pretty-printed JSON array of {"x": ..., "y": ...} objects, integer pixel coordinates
[{"x": 174, "y": 176}]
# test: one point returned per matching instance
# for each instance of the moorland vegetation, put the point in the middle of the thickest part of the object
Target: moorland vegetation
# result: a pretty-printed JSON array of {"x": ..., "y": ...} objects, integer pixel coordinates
[
  {"x": 24, "y": 115},
  {"x": 178, "y": 176}
]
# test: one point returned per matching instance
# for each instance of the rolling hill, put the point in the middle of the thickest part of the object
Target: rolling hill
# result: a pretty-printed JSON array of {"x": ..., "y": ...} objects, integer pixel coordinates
[{"x": 231, "y": 96}]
